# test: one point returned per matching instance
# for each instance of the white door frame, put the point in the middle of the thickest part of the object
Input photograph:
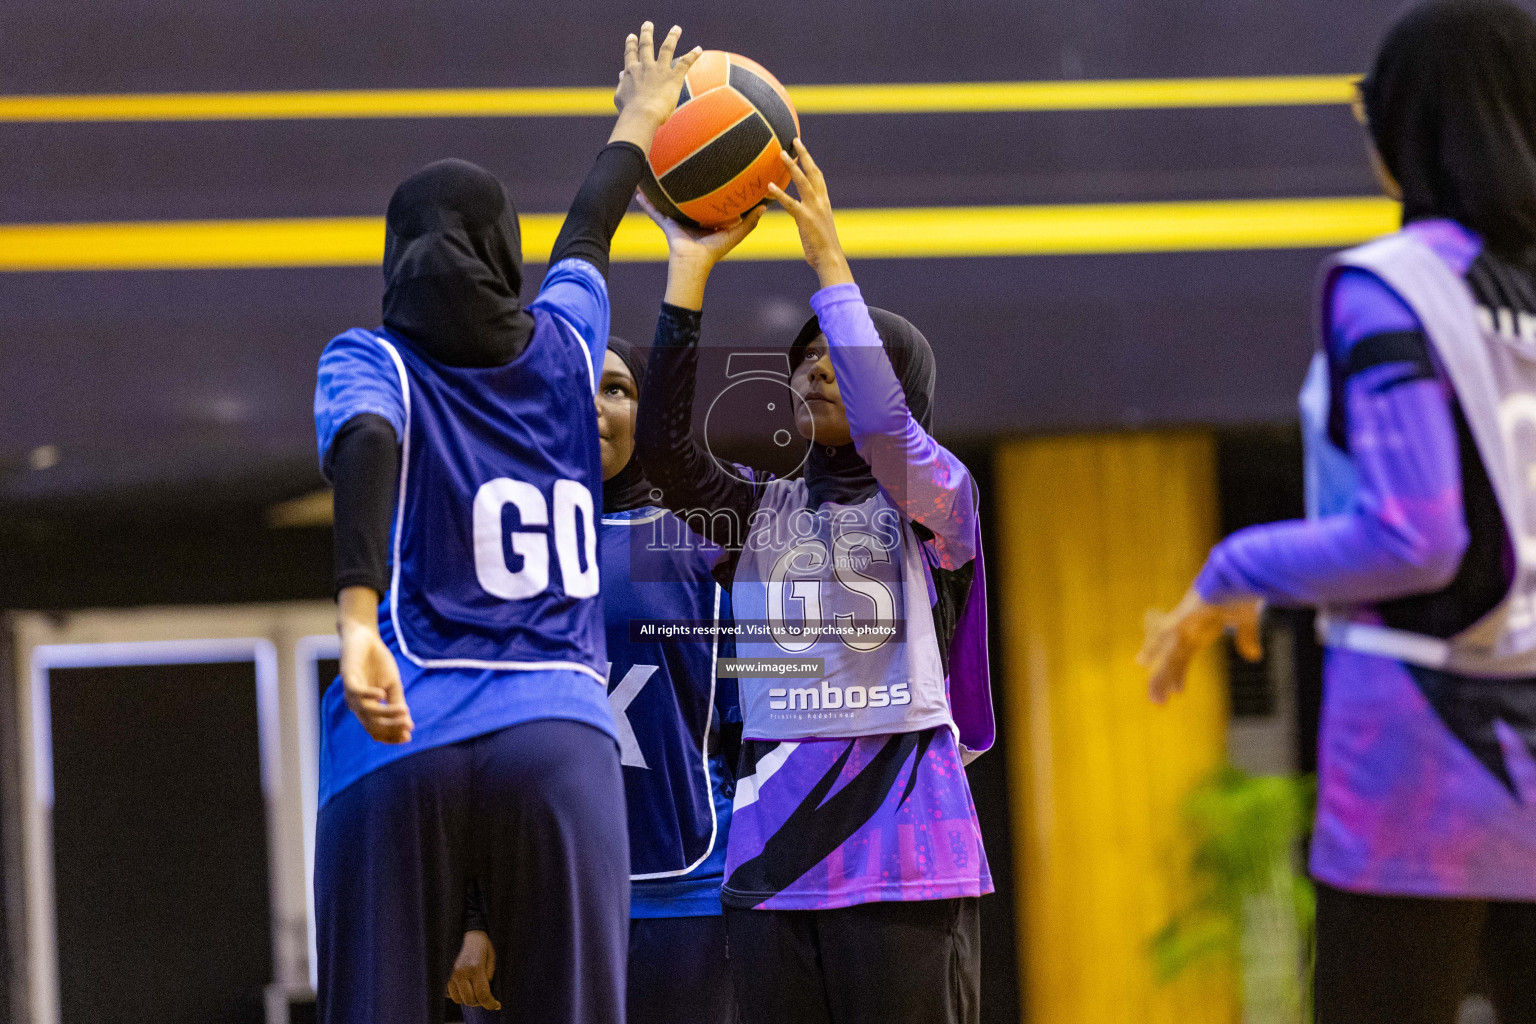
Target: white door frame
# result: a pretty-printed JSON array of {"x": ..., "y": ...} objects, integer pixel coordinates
[
  {"x": 307, "y": 651},
  {"x": 269, "y": 636}
]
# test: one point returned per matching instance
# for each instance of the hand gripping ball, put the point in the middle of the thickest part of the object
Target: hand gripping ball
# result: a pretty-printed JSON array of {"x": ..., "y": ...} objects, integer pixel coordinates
[{"x": 714, "y": 157}]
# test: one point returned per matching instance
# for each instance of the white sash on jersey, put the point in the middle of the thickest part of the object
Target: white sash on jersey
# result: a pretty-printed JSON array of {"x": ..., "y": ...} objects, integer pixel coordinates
[{"x": 1493, "y": 373}]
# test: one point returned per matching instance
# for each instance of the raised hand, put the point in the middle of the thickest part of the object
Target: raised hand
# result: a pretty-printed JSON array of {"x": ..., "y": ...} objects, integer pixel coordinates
[
  {"x": 649, "y": 85},
  {"x": 706, "y": 246},
  {"x": 693, "y": 254},
  {"x": 813, "y": 216},
  {"x": 1174, "y": 638}
]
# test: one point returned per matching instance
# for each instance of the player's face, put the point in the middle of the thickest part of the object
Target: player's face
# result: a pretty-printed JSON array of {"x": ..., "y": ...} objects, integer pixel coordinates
[
  {"x": 821, "y": 417},
  {"x": 617, "y": 399}
]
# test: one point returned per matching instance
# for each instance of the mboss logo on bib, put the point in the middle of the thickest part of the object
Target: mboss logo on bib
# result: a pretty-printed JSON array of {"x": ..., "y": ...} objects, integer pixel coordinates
[
  {"x": 569, "y": 510},
  {"x": 827, "y": 697}
]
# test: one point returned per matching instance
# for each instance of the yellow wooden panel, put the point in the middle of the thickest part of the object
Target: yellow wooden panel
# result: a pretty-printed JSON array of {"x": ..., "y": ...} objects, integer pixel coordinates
[{"x": 1098, "y": 530}]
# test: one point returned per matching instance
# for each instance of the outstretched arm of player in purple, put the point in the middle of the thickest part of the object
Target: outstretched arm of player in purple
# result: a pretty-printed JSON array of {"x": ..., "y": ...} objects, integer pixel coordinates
[
  {"x": 1407, "y": 532},
  {"x": 930, "y": 484}
]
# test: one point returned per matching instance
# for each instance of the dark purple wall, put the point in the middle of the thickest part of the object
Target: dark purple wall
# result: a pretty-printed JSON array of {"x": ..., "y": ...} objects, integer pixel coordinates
[{"x": 153, "y": 378}]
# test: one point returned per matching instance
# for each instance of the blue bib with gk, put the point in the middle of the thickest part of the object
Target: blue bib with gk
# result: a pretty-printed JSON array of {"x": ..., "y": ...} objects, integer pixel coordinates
[{"x": 663, "y": 693}]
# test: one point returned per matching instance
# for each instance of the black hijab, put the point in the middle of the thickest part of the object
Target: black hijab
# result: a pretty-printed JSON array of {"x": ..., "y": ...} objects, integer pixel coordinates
[
  {"x": 628, "y": 488},
  {"x": 837, "y": 472},
  {"x": 1451, "y": 105},
  {"x": 453, "y": 267}
]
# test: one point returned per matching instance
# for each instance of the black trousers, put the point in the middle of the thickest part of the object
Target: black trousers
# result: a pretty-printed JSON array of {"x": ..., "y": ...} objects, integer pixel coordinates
[
  {"x": 535, "y": 813},
  {"x": 678, "y": 972},
  {"x": 1410, "y": 960},
  {"x": 875, "y": 963}
]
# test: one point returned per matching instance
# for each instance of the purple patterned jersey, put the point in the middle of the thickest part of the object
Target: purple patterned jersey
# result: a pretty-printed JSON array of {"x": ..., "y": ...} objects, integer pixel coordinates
[
  {"x": 830, "y": 823},
  {"x": 822, "y": 823},
  {"x": 1427, "y": 783},
  {"x": 836, "y": 821}
]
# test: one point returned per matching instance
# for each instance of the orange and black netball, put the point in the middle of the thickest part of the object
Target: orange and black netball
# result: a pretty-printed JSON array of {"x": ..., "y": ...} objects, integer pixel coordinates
[{"x": 714, "y": 158}]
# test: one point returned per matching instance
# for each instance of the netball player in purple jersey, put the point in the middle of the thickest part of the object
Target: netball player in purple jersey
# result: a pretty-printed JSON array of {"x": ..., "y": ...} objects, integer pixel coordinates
[
  {"x": 1420, "y": 544},
  {"x": 855, "y": 858}
]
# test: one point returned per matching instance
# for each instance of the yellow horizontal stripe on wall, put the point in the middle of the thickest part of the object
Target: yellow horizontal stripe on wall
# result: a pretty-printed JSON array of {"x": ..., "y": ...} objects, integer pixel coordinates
[
  {"x": 900, "y": 233},
  {"x": 872, "y": 98},
  {"x": 1117, "y": 94},
  {"x": 191, "y": 244}
]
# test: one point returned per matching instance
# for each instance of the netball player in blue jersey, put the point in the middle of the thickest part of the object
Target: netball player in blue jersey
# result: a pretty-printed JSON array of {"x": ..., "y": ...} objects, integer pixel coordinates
[
  {"x": 671, "y": 714},
  {"x": 471, "y": 734},
  {"x": 855, "y": 859},
  {"x": 1420, "y": 424}
]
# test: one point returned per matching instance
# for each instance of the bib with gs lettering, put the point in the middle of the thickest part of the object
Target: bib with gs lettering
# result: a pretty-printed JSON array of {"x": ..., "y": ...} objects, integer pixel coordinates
[{"x": 842, "y": 586}]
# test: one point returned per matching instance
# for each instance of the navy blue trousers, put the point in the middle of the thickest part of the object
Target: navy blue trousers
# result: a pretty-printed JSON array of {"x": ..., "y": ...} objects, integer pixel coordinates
[
  {"x": 678, "y": 974},
  {"x": 535, "y": 814}
]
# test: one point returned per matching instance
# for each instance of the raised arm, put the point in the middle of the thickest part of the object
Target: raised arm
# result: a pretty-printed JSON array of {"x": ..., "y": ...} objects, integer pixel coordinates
[
  {"x": 575, "y": 286},
  {"x": 646, "y": 96},
  {"x": 599, "y": 206},
  {"x": 925, "y": 479},
  {"x": 714, "y": 502}
]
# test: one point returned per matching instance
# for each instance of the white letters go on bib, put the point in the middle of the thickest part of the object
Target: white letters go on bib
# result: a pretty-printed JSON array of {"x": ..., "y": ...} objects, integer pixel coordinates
[{"x": 572, "y": 503}]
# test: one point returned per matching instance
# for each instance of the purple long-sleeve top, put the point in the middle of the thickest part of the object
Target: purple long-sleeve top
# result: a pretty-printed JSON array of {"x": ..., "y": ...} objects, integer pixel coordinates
[
  {"x": 1426, "y": 781},
  {"x": 921, "y": 476},
  {"x": 1408, "y": 532},
  {"x": 823, "y": 823}
]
